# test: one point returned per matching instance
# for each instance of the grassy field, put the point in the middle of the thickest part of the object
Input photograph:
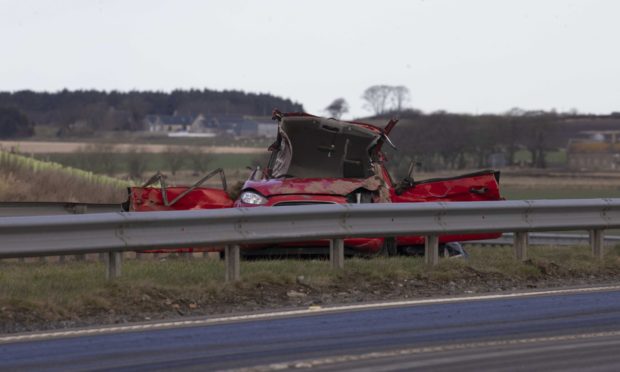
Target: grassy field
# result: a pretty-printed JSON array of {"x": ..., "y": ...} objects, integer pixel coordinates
[
  {"x": 141, "y": 138},
  {"x": 152, "y": 162},
  {"x": 37, "y": 295}
]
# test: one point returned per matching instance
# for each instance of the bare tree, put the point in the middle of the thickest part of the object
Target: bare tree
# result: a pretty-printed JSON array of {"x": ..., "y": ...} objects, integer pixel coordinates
[
  {"x": 199, "y": 160},
  {"x": 338, "y": 107},
  {"x": 136, "y": 163},
  {"x": 399, "y": 97},
  {"x": 377, "y": 97},
  {"x": 383, "y": 98},
  {"x": 175, "y": 158}
]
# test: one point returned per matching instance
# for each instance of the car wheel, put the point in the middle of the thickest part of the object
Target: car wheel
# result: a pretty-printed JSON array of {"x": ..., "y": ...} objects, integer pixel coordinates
[
  {"x": 453, "y": 250},
  {"x": 390, "y": 247}
]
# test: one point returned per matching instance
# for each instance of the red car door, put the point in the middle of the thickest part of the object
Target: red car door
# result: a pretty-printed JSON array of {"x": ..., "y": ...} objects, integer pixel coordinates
[{"x": 478, "y": 186}]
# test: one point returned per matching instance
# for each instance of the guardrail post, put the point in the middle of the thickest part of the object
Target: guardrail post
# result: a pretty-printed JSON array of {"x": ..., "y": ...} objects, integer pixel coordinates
[
  {"x": 520, "y": 245},
  {"x": 431, "y": 250},
  {"x": 232, "y": 257},
  {"x": 597, "y": 238},
  {"x": 114, "y": 261},
  {"x": 336, "y": 253}
]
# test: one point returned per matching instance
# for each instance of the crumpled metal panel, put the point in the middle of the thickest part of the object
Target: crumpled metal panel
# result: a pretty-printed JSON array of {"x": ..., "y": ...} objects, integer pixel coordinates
[
  {"x": 481, "y": 186},
  {"x": 313, "y": 186},
  {"x": 149, "y": 199},
  {"x": 144, "y": 199}
]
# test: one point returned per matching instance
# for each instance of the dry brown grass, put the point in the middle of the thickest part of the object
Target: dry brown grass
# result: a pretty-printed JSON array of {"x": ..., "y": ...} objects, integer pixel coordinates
[
  {"x": 53, "y": 186},
  {"x": 22, "y": 182}
]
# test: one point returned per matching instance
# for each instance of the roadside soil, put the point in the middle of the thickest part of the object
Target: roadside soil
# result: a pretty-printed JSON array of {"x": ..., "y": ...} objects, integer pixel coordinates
[{"x": 119, "y": 303}]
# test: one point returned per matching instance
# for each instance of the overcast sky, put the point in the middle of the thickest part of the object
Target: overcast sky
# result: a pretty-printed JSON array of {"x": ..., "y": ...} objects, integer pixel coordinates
[{"x": 465, "y": 56}]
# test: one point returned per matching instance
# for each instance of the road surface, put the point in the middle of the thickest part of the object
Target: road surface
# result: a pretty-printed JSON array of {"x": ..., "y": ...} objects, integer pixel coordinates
[{"x": 552, "y": 330}]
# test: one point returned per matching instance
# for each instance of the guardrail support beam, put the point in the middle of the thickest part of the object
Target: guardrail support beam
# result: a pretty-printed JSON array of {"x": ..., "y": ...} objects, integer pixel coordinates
[
  {"x": 232, "y": 259},
  {"x": 597, "y": 238},
  {"x": 113, "y": 263},
  {"x": 336, "y": 253},
  {"x": 431, "y": 250},
  {"x": 520, "y": 245}
]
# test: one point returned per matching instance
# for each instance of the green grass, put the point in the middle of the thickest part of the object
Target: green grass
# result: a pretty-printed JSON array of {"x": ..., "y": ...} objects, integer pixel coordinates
[
  {"x": 66, "y": 281},
  {"x": 153, "y": 162},
  {"x": 70, "y": 280}
]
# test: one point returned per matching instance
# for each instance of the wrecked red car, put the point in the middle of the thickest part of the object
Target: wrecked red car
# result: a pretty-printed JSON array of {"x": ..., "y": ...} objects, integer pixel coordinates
[{"x": 317, "y": 160}]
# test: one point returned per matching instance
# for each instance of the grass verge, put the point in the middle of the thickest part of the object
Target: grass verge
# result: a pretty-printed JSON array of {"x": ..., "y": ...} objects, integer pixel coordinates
[{"x": 37, "y": 295}]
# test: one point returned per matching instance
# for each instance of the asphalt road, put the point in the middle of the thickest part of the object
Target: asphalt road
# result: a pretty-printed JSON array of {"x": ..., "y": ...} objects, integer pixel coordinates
[{"x": 567, "y": 331}]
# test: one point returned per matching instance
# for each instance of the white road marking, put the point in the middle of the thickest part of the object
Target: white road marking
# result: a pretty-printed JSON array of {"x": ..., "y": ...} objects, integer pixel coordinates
[
  {"x": 312, "y": 310},
  {"x": 311, "y": 363}
]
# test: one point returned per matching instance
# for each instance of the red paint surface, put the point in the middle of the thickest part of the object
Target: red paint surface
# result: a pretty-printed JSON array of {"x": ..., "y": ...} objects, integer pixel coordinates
[
  {"x": 145, "y": 199},
  {"x": 362, "y": 245},
  {"x": 149, "y": 199},
  {"x": 457, "y": 189},
  {"x": 461, "y": 188}
]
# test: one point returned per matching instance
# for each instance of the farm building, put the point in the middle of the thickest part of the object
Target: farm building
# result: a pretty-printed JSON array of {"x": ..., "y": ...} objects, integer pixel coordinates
[
  {"x": 235, "y": 125},
  {"x": 600, "y": 151}
]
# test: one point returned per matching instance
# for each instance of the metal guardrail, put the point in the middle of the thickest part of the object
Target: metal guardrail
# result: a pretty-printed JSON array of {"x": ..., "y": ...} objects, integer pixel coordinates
[
  {"x": 128, "y": 231},
  {"x": 21, "y": 209},
  {"x": 546, "y": 239}
]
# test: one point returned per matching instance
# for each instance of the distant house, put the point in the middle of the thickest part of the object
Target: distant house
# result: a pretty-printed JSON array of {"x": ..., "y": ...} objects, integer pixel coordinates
[
  {"x": 241, "y": 126},
  {"x": 236, "y": 125},
  {"x": 168, "y": 123},
  {"x": 212, "y": 125},
  {"x": 180, "y": 125},
  {"x": 600, "y": 150}
]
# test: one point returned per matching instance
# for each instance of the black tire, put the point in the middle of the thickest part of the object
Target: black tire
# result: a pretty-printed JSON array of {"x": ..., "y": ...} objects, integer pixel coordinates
[
  {"x": 390, "y": 248},
  {"x": 453, "y": 250}
]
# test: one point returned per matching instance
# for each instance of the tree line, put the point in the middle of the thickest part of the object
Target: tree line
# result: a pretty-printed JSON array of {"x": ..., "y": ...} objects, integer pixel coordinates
[
  {"x": 444, "y": 140},
  {"x": 97, "y": 110}
]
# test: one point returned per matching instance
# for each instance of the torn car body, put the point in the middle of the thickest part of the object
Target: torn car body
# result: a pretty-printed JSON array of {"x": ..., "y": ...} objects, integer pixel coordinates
[{"x": 317, "y": 160}]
